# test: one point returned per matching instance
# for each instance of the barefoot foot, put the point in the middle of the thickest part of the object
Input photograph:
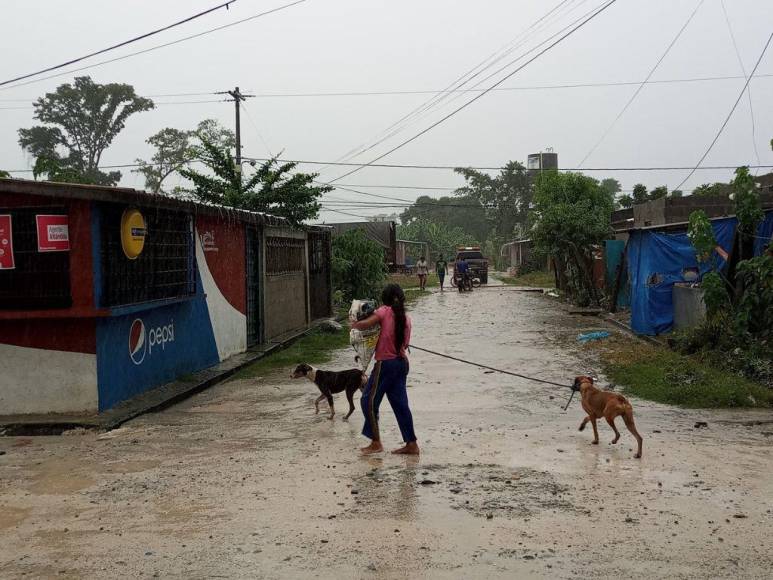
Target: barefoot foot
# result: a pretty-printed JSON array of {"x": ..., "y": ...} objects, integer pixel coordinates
[
  {"x": 374, "y": 447},
  {"x": 411, "y": 448}
]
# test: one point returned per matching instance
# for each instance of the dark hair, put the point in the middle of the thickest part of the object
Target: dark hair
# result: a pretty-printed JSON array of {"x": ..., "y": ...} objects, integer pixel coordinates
[{"x": 394, "y": 297}]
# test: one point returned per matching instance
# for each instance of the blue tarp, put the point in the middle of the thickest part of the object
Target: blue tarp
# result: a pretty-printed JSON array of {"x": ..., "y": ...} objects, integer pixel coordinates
[{"x": 656, "y": 261}]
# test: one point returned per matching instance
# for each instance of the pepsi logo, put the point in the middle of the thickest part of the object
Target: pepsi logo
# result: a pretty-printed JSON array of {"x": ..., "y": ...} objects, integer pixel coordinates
[{"x": 138, "y": 345}]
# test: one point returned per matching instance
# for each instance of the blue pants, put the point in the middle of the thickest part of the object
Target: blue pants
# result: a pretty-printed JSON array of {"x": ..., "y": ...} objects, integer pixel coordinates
[{"x": 388, "y": 378}]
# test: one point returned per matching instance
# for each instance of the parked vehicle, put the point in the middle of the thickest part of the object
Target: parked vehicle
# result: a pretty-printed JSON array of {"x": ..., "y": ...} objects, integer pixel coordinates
[{"x": 475, "y": 259}]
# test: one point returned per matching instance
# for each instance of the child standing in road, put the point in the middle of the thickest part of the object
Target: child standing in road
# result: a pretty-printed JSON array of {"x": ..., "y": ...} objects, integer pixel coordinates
[
  {"x": 441, "y": 268},
  {"x": 390, "y": 372},
  {"x": 422, "y": 270}
]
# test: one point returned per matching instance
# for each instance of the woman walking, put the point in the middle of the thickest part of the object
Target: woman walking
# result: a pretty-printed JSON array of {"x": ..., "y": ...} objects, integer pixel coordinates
[
  {"x": 390, "y": 372},
  {"x": 423, "y": 271}
]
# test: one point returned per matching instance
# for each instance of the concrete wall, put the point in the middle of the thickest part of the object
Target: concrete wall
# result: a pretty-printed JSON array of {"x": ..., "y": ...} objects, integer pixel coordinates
[
  {"x": 689, "y": 308},
  {"x": 35, "y": 381},
  {"x": 652, "y": 213}
]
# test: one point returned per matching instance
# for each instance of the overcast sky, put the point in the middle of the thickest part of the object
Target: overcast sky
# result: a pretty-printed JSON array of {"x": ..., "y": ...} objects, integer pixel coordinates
[{"x": 400, "y": 45}]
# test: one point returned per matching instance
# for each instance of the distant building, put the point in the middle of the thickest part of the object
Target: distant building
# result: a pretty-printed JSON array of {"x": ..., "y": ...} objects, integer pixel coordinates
[{"x": 383, "y": 217}]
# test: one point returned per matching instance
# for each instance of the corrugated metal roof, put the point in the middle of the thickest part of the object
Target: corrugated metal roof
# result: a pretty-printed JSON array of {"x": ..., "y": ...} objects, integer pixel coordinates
[{"x": 130, "y": 196}]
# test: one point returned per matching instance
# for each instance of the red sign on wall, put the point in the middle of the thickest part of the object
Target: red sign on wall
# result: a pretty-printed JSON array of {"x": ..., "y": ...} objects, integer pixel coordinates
[
  {"x": 6, "y": 243},
  {"x": 53, "y": 233}
]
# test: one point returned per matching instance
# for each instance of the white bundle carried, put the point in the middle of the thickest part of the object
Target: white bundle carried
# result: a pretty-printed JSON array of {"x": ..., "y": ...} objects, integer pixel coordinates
[{"x": 363, "y": 341}]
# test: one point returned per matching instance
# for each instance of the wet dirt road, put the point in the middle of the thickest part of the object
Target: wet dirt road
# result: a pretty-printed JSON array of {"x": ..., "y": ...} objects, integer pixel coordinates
[{"x": 244, "y": 481}]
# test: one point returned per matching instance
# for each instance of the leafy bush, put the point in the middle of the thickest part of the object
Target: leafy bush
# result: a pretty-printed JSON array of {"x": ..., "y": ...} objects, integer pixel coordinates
[
  {"x": 701, "y": 235},
  {"x": 359, "y": 270},
  {"x": 715, "y": 294},
  {"x": 754, "y": 311}
]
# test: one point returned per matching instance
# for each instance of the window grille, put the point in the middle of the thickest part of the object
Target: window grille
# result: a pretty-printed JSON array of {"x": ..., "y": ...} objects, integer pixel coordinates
[
  {"x": 284, "y": 256},
  {"x": 40, "y": 280},
  {"x": 165, "y": 269}
]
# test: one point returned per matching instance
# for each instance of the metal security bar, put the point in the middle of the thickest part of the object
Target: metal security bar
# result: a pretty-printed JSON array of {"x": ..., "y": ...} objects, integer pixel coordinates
[
  {"x": 40, "y": 280},
  {"x": 284, "y": 256},
  {"x": 165, "y": 269}
]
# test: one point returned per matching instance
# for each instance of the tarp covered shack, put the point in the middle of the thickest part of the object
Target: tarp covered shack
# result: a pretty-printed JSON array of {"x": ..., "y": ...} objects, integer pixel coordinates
[{"x": 659, "y": 257}]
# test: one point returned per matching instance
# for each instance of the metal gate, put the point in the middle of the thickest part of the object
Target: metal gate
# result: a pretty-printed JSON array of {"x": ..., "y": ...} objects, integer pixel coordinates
[
  {"x": 253, "y": 285},
  {"x": 319, "y": 275}
]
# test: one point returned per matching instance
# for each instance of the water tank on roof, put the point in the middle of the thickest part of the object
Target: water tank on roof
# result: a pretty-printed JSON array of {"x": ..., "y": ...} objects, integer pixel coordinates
[{"x": 543, "y": 160}]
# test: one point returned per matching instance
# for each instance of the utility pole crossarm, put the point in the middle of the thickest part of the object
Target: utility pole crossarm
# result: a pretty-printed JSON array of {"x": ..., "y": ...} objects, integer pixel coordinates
[{"x": 238, "y": 97}]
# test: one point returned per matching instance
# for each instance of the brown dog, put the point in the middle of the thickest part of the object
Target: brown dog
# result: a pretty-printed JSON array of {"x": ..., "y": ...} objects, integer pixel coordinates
[{"x": 598, "y": 404}]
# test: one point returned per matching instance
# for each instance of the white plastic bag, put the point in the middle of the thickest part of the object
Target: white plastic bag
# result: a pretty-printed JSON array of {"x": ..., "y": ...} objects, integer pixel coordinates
[{"x": 363, "y": 341}]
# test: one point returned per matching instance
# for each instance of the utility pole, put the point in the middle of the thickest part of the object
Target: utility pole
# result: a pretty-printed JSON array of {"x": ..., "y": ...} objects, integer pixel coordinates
[{"x": 238, "y": 97}]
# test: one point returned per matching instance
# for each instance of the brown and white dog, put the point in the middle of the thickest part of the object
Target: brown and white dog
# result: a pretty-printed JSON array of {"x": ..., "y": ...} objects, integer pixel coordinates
[
  {"x": 330, "y": 382},
  {"x": 598, "y": 404}
]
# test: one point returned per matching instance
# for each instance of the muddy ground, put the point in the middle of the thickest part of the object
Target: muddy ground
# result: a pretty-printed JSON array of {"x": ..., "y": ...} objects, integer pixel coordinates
[{"x": 244, "y": 481}]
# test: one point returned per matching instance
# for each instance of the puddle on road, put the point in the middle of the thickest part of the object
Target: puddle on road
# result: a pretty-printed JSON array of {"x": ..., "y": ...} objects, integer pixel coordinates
[
  {"x": 10, "y": 516},
  {"x": 56, "y": 477},
  {"x": 483, "y": 490}
]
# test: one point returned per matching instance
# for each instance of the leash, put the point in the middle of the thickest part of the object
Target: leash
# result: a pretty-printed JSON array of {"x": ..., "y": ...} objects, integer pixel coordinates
[{"x": 504, "y": 372}]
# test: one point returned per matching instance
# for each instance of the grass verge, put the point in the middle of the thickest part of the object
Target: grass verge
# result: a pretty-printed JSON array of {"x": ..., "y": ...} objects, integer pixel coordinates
[
  {"x": 412, "y": 280},
  {"x": 661, "y": 375},
  {"x": 315, "y": 348},
  {"x": 533, "y": 279}
]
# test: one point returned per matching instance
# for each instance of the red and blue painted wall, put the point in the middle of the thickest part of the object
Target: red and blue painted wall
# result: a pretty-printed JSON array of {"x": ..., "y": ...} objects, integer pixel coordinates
[{"x": 111, "y": 328}]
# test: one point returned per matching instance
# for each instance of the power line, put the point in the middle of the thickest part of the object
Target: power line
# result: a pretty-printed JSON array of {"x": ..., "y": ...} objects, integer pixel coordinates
[
  {"x": 152, "y": 48},
  {"x": 161, "y": 103},
  {"x": 428, "y": 92},
  {"x": 500, "y": 167},
  {"x": 120, "y": 44},
  {"x": 743, "y": 70},
  {"x": 729, "y": 115},
  {"x": 641, "y": 86},
  {"x": 456, "y": 84},
  {"x": 255, "y": 126},
  {"x": 471, "y": 101},
  {"x": 424, "y": 110}
]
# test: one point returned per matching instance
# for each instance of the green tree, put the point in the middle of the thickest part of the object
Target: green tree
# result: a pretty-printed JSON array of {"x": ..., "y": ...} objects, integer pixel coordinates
[
  {"x": 272, "y": 188},
  {"x": 358, "y": 264},
  {"x": 176, "y": 149},
  {"x": 625, "y": 201},
  {"x": 611, "y": 186},
  {"x": 80, "y": 121},
  {"x": 465, "y": 212},
  {"x": 438, "y": 237},
  {"x": 748, "y": 209},
  {"x": 506, "y": 197},
  {"x": 640, "y": 194},
  {"x": 701, "y": 235},
  {"x": 571, "y": 217},
  {"x": 54, "y": 170},
  {"x": 173, "y": 151},
  {"x": 711, "y": 189},
  {"x": 677, "y": 193},
  {"x": 658, "y": 192},
  {"x": 4, "y": 174}
]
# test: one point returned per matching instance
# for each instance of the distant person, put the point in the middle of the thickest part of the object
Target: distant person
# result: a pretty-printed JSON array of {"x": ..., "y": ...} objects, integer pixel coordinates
[
  {"x": 423, "y": 271},
  {"x": 441, "y": 268},
  {"x": 462, "y": 269},
  {"x": 390, "y": 372}
]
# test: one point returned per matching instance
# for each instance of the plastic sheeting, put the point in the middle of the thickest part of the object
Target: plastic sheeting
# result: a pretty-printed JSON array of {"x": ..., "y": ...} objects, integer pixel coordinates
[{"x": 658, "y": 260}]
